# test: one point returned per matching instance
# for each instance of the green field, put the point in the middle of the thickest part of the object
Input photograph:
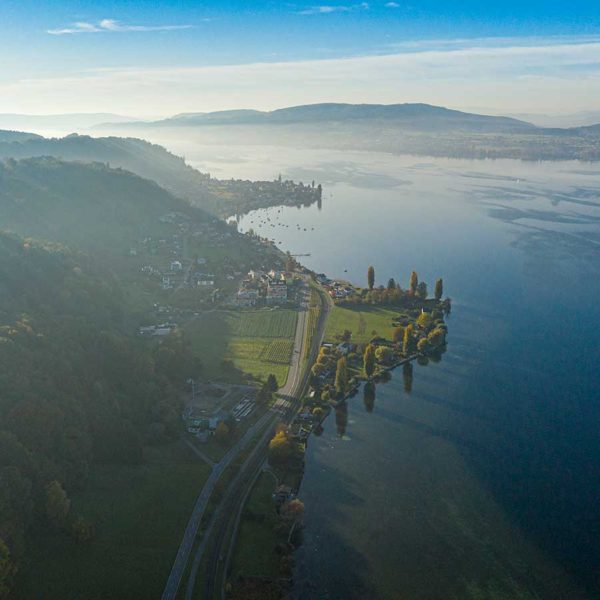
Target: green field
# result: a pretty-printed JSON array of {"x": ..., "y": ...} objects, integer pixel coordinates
[
  {"x": 139, "y": 513},
  {"x": 257, "y": 342},
  {"x": 255, "y": 547},
  {"x": 364, "y": 322}
]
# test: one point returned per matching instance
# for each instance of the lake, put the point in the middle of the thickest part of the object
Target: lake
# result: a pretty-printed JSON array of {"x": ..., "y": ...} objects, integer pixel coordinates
[{"x": 483, "y": 480}]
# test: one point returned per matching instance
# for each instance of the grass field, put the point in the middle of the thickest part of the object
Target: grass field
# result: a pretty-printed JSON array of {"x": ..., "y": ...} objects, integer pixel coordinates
[
  {"x": 364, "y": 322},
  {"x": 255, "y": 548},
  {"x": 139, "y": 513},
  {"x": 257, "y": 342}
]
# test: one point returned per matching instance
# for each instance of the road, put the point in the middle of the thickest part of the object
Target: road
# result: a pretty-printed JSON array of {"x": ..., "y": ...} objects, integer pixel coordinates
[
  {"x": 191, "y": 529},
  {"x": 290, "y": 390},
  {"x": 223, "y": 526}
]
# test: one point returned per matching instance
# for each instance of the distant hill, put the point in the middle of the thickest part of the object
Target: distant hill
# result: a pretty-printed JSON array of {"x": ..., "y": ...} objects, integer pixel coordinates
[
  {"x": 414, "y": 116},
  {"x": 66, "y": 122},
  {"x": 419, "y": 129},
  {"x": 16, "y": 136}
]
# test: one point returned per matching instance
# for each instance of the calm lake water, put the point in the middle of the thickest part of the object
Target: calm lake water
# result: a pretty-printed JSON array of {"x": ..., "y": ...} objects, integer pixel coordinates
[{"x": 483, "y": 480}]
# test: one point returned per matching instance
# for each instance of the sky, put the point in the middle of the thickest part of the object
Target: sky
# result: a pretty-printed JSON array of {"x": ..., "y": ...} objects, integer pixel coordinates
[{"x": 149, "y": 59}]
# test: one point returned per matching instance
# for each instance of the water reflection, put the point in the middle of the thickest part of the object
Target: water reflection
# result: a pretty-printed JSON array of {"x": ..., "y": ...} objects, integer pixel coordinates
[{"x": 369, "y": 396}]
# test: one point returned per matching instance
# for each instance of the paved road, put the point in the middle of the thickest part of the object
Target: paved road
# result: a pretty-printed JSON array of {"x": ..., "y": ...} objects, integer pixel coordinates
[
  {"x": 295, "y": 384},
  {"x": 225, "y": 521},
  {"x": 191, "y": 529}
]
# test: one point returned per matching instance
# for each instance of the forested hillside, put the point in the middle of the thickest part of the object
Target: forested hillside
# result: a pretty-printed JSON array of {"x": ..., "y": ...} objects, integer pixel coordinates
[
  {"x": 76, "y": 388},
  {"x": 149, "y": 161},
  {"x": 85, "y": 205}
]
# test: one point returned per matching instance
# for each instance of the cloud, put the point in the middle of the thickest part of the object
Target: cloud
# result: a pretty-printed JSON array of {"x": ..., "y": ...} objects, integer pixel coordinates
[
  {"x": 543, "y": 75},
  {"x": 392, "y": 5},
  {"x": 328, "y": 9},
  {"x": 111, "y": 25}
]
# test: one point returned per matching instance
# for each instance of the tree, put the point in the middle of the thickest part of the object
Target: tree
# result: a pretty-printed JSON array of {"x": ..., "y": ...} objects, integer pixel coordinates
[
  {"x": 439, "y": 289},
  {"x": 422, "y": 345},
  {"x": 398, "y": 335},
  {"x": 413, "y": 283},
  {"x": 425, "y": 321},
  {"x": 371, "y": 277},
  {"x": 341, "y": 377},
  {"x": 272, "y": 384},
  {"x": 437, "y": 337},
  {"x": 408, "y": 342},
  {"x": 384, "y": 355},
  {"x": 369, "y": 360},
  {"x": 422, "y": 290},
  {"x": 280, "y": 448},
  {"x": 292, "y": 511},
  {"x": 391, "y": 284},
  {"x": 57, "y": 503},
  {"x": 222, "y": 432}
]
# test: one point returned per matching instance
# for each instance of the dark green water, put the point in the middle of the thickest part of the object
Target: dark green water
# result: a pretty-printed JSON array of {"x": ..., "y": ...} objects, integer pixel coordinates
[{"x": 482, "y": 481}]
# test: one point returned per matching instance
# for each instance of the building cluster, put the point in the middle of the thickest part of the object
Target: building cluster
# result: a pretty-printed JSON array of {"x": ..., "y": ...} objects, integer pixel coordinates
[
  {"x": 259, "y": 287},
  {"x": 336, "y": 289}
]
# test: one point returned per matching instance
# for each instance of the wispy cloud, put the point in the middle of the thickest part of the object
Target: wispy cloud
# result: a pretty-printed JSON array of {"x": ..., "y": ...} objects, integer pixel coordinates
[
  {"x": 328, "y": 9},
  {"x": 111, "y": 26},
  {"x": 536, "y": 75},
  {"x": 392, "y": 5}
]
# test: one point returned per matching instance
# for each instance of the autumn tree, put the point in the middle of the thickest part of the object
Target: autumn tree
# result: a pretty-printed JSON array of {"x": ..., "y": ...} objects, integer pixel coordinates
[
  {"x": 384, "y": 355},
  {"x": 437, "y": 337},
  {"x": 341, "y": 377},
  {"x": 280, "y": 448},
  {"x": 398, "y": 334},
  {"x": 57, "y": 503},
  {"x": 413, "y": 283},
  {"x": 408, "y": 342},
  {"x": 371, "y": 277},
  {"x": 369, "y": 360},
  {"x": 422, "y": 345},
  {"x": 439, "y": 289},
  {"x": 292, "y": 511},
  {"x": 425, "y": 321}
]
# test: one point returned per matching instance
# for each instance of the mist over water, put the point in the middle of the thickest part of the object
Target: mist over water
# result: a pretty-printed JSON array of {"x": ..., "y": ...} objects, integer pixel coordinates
[{"x": 484, "y": 476}]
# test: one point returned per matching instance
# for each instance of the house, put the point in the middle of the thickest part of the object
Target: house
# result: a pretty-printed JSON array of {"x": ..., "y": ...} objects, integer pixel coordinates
[
  {"x": 276, "y": 292},
  {"x": 246, "y": 296},
  {"x": 176, "y": 266}
]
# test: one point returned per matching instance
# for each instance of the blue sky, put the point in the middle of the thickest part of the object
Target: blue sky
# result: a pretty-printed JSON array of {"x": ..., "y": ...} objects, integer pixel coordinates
[{"x": 156, "y": 58}]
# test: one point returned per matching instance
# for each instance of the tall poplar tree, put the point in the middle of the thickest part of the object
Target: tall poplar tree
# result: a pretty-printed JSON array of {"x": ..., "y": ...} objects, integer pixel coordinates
[
  {"x": 369, "y": 360},
  {"x": 371, "y": 277},
  {"x": 413, "y": 283},
  {"x": 341, "y": 377}
]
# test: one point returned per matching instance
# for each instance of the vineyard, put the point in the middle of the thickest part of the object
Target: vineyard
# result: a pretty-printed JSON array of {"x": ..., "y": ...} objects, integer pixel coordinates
[
  {"x": 278, "y": 351},
  {"x": 264, "y": 323}
]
